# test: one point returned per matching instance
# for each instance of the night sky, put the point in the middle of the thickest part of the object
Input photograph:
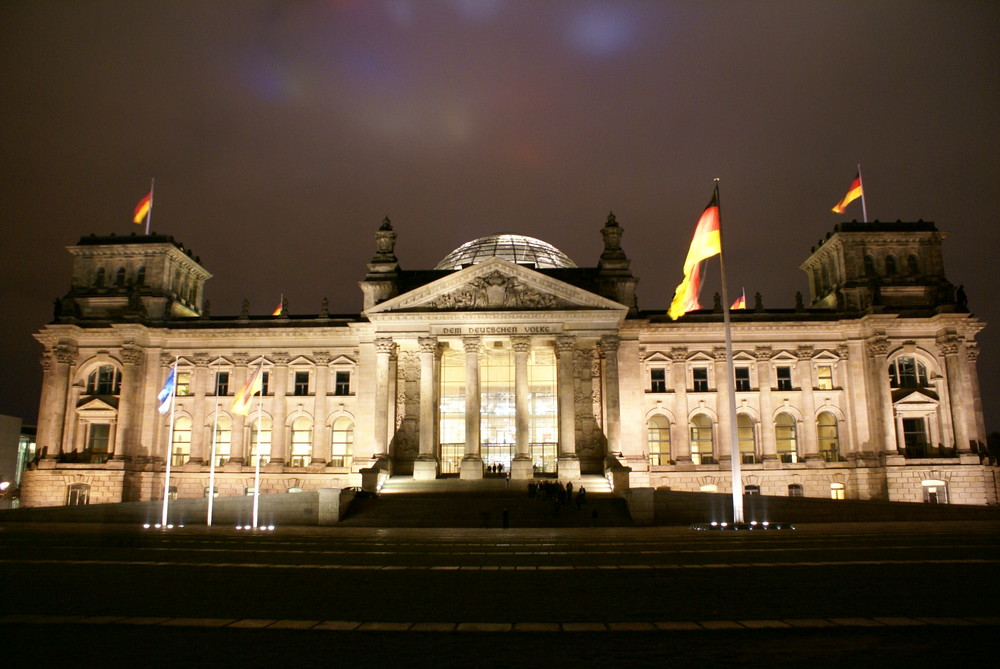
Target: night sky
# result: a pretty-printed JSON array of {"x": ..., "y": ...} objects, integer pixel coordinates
[{"x": 281, "y": 133}]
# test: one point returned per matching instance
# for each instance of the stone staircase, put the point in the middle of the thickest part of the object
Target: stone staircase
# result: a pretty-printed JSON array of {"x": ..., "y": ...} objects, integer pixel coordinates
[{"x": 403, "y": 502}]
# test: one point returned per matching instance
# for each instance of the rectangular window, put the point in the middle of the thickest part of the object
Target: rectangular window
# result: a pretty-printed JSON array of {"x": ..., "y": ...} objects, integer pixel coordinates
[
  {"x": 700, "y": 377},
  {"x": 97, "y": 438},
  {"x": 183, "y": 383},
  {"x": 784, "y": 375},
  {"x": 342, "y": 383},
  {"x": 301, "y": 383},
  {"x": 265, "y": 382},
  {"x": 657, "y": 380},
  {"x": 742, "y": 379},
  {"x": 222, "y": 383},
  {"x": 824, "y": 377},
  {"x": 915, "y": 437}
]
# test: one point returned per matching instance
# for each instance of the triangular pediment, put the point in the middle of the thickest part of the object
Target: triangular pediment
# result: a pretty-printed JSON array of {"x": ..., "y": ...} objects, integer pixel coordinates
[
  {"x": 496, "y": 285},
  {"x": 98, "y": 405},
  {"x": 914, "y": 397}
]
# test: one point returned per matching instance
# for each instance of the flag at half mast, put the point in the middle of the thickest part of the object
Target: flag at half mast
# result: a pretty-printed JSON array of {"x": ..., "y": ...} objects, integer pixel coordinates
[
  {"x": 853, "y": 193},
  {"x": 705, "y": 244},
  {"x": 244, "y": 398}
]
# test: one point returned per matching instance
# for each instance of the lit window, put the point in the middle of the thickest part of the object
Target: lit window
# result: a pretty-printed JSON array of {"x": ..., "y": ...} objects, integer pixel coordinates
[
  {"x": 836, "y": 491},
  {"x": 742, "y": 379},
  {"x": 658, "y": 440},
  {"x": 709, "y": 487},
  {"x": 784, "y": 375},
  {"x": 223, "y": 439},
  {"x": 657, "y": 380},
  {"x": 181, "y": 450},
  {"x": 260, "y": 441},
  {"x": 824, "y": 377},
  {"x": 301, "y": 442},
  {"x": 342, "y": 383},
  {"x": 702, "y": 451},
  {"x": 98, "y": 437},
  {"x": 78, "y": 494},
  {"x": 784, "y": 435},
  {"x": 699, "y": 376},
  {"x": 747, "y": 438},
  {"x": 105, "y": 380},
  {"x": 183, "y": 383},
  {"x": 342, "y": 442},
  {"x": 751, "y": 489},
  {"x": 915, "y": 441},
  {"x": 301, "y": 383},
  {"x": 826, "y": 429},
  {"x": 907, "y": 372},
  {"x": 935, "y": 491}
]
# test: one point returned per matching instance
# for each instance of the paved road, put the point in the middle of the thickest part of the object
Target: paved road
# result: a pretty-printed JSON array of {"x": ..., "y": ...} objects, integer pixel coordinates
[{"x": 588, "y": 597}]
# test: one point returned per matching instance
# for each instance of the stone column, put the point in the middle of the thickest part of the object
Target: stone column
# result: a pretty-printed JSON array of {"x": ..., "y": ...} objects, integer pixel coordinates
[
  {"x": 383, "y": 349},
  {"x": 972, "y": 378},
  {"x": 200, "y": 382},
  {"x": 878, "y": 351},
  {"x": 425, "y": 467},
  {"x": 279, "y": 409},
  {"x": 768, "y": 445},
  {"x": 810, "y": 437},
  {"x": 237, "y": 438},
  {"x": 680, "y": 436},
  {"x": 321, "y": 439},
  {"x": 52, "y": 407},
  {"x": 569, "y": 463},
  {"x": 521, "y": 468},
  {"x": 129, "y": 403},
  {"x": 724, "y": 430},
  {"x": 949, "y": 347},
  {"x": 472, "y": 462},
  {"x": 612, "y": 395}
]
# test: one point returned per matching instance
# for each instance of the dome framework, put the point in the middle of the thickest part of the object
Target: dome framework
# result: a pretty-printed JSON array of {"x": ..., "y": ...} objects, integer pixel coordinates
[{"x": 519, "y": 249}]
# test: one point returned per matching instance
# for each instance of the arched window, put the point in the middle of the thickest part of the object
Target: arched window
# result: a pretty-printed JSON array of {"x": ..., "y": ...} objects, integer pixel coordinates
[
  {"x": 301, "y": 442},
  {"x": 826, "y": 429},
  {"x": 223, "y": 440},
  {"x": 907, "y": 372},
  {"x": 658, "y": 440},
  {"x": 140, "y": 276},
  {"x": 120, "y": 277},
  {"x": 260, "y": 441},
  {"x": 751, "y": 489},
  {"x": 181, "y": 448},
  {"x": 795, "y": 490},
  {"x": 784, "y": 435},
  {"x": 912, "y": 266},
  {"x": 702, "y": 446},
  {"x": 105, "y": 380},
  {"x": 869, "y": 266},
  {"x": 99, "y": 277},
  {"x": 747, "y": 438},
  {"x": 342, "y": 442},
  {"x": 890, "y": 265}
]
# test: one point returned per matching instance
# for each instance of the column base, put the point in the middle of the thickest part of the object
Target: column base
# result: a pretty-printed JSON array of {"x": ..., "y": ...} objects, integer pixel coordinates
[
  {"x": 521, "y": 468},
  {"x": 472, "y": 468},
  {"x": 425, "y": 469},
  {"x": 568, "y": 467}
]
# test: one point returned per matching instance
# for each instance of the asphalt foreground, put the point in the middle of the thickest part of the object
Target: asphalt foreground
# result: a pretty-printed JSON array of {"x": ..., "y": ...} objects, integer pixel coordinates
[{"x": 822, "y": 595}]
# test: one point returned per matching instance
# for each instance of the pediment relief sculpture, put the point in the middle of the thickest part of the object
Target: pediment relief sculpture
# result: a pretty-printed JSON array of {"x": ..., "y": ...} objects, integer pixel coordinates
[{"x": 497, "y": 290}]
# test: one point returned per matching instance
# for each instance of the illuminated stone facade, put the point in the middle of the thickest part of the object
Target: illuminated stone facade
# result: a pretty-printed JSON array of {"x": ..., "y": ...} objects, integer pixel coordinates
[{"x": 510, "y": 354}]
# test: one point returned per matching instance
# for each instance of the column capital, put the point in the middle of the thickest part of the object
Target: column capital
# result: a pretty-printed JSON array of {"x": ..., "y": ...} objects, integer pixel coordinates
[
  {"x": 948, "y": 344},
  {"x": 66, "y": 354},
  {"x": 878, "y": 345},
  {"x": 521, "y": 344},
  {"x": 384, "y": 345},
  {"x": 428, "y": 344},
  {"x": 131, "y": 355},
  {"x": 610, "y": 343},
  {"x": 565, "y": 344},
  {"x": 805, "y": 352},
  {"x": 240, "y": 359},
  {"x": 46, "y": 361},
  {"x": 972, "y": 351},
  {"x": 472, "y": 344},
  {"x": 322, "y": 358},
  {"x": 679, "y": 353},
  {"x": 201, "y": 359},
  {"x": 843, "y": 350},
  {"x": 167, "y": 358},
  {"x": 719, "y": 353},
  {"x": 763, "y": 353},
  {"x": 280, "y": 358}
]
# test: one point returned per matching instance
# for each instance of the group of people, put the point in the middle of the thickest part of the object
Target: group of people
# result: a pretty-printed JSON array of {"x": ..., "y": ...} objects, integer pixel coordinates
[{"x": 555, "y": 490}]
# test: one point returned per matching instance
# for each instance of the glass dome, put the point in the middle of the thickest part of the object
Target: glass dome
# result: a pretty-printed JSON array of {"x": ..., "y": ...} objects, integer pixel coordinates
[{"x": 515, "y": 248}]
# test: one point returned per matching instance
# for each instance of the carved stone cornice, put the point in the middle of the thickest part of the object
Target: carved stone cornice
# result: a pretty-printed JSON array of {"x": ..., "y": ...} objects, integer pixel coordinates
[
  {"x": 972, "y": 351},
  {"x": 805, "y": 352},
  {"x": 241, "y": 358},
  {"x": 201, "y": 359},
  {"x": 322, "y": 358},
  {"x": 763, "y": 353},
  {"x": 496, "y": 290},
  {"x": 679, "y": 354}
]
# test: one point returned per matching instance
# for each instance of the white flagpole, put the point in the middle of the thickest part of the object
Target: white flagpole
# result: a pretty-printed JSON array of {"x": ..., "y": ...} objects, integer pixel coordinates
[
  {"x": 864, "y": 209},
  {"x": 211, "y": 467},
  {"x": 256, "y": 471},
  {"x": 735, "y": 456},
  {"x": 170, "y": 447},
  {"x": 149, "y": 212}
]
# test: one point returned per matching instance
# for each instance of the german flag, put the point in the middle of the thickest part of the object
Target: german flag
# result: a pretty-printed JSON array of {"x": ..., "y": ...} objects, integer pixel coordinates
[
  {"x": 141, "y": 209},
  {"x": 707, "y": 242},
  {"x": 853, "y": 193}
]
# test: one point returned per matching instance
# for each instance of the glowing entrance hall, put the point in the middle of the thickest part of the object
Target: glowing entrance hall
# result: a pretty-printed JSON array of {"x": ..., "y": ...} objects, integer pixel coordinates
[{"x": 518, "y": 422}]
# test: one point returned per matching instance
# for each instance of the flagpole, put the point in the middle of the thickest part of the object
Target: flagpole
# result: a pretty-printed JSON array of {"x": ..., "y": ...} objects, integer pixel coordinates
[
  {"x": 211, "y": 467},
  {"x": 170, "y": 445},
  {"x": 256, "y": 471},
  {"x": 149, "y": 212},
  {"x": 735, "y": 456},
  {"x": 864, "y": 209}
]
